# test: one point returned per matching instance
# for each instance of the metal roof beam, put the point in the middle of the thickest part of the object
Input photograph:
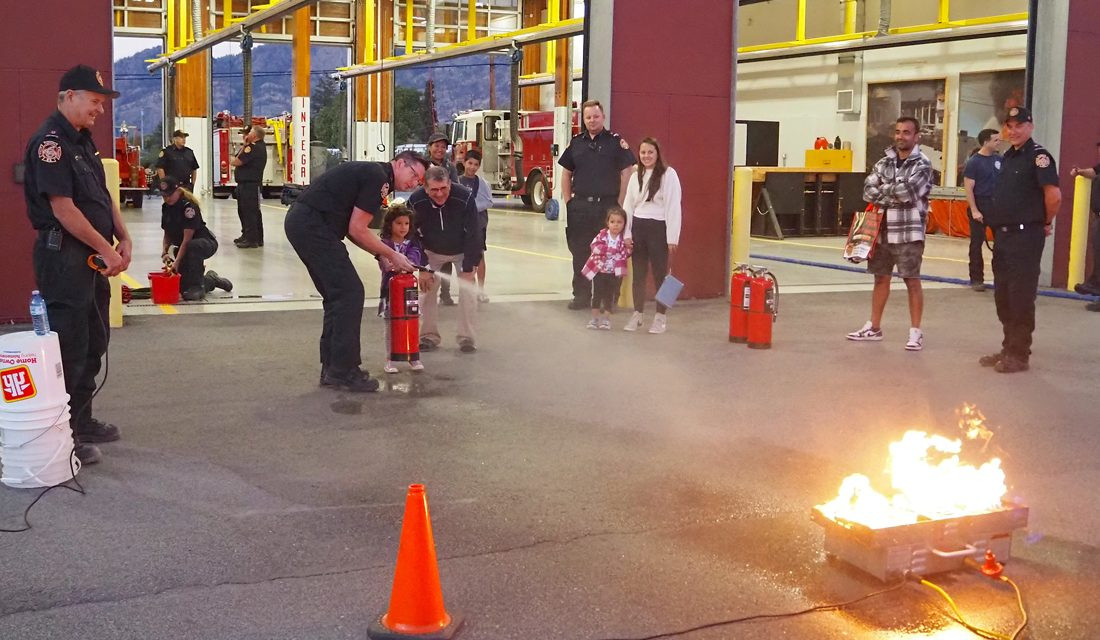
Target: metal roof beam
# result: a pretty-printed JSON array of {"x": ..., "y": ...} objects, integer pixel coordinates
[
  {"x": 276, "y": 9},
  {"x": 530, "y": 35}
]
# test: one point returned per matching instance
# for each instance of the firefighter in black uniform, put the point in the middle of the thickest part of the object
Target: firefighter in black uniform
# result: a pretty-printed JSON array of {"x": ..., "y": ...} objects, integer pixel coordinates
[
  {"x": 249, "y": 174},
  {"x": 71, "y": 209},
  {"x": 1025, "y": 202},
  {"x": 595, "y": 168},
  {"x": 184, "y": 229},
  {"x": 341, "y": 203},
  {"x": 178, "y": 161}
]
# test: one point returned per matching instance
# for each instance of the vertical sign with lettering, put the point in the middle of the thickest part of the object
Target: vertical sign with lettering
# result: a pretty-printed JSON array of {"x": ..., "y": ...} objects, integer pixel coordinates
[{"x": 300, "y": 136}]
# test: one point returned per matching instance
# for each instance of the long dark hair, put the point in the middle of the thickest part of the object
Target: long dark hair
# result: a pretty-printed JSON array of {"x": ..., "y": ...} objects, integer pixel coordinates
[
  {"x": 658, "y": 169},
  {"x": 393, "y": 212}
]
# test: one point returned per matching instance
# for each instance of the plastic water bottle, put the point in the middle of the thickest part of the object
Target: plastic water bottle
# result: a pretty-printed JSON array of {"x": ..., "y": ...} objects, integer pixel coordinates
[{"x": 38, "y": 314}]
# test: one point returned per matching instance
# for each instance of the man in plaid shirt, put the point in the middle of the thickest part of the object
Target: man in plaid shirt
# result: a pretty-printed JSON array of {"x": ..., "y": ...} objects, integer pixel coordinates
[{"x": 899, "y": 185}]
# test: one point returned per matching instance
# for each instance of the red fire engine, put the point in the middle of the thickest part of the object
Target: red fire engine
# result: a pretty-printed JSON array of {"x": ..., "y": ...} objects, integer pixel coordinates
[
  {"x": 228, "y": 138},
  {"x": 489, "y": 132},
  {"x": 133, "y": 182}
]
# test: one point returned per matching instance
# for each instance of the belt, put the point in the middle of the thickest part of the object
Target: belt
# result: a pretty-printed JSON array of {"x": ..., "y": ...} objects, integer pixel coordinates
[
  {"x": 1006, "y": 228},
  {"x": 596, "y": 198}
]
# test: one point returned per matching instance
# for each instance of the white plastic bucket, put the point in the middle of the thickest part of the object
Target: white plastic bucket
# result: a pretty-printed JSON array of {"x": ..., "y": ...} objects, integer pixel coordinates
[
  {"x": 14, "y": 433},
  {"x": 31, "y": 375},
  {"x": 19, "y": 411},
  {"x": 45, "y": 471}
]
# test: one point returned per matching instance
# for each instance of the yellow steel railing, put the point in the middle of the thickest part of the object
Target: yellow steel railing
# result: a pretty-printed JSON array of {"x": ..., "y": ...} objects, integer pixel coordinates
[{"x": 943, "y": 21}]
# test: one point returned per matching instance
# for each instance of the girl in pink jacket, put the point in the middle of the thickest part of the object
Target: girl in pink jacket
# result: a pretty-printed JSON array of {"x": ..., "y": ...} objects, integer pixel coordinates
[{"x": 606, "y": 267}]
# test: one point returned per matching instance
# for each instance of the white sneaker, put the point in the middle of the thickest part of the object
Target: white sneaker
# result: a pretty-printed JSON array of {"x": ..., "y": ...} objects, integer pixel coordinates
[
  {"x": 866, "y": 334},
  {"x": 634, "y": 323},
  {"x": 660, "y": 323},
  {"x": 593, "y": 324},
  {"x": 390, "y": 366},
  {"x": 416, "y": 365},
  {"x": 916, "y": 340},
  {"x": 605, "y": 324}
]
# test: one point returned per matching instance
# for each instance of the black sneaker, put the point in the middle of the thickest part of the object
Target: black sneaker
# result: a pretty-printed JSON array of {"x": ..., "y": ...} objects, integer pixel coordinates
[
  {"x": 466, "y": 345},
  {"x": 447, "y": 301},
  {"x": 97, "y": 431},
  {"x": 1086, "y": 289},
  {"x": 248, "y": 244},
  {"x": 356, "y": 381},
  {"x": 427, "y": 345},
  {"x": 87, "y": 453},
  {"x": 1010, "y": 364},
  {"x": 213, "y": 281},
  {"x": 330, "y": 381},
  {"x": 578, "y": 305},
  {"x": 992, "y": 359}
]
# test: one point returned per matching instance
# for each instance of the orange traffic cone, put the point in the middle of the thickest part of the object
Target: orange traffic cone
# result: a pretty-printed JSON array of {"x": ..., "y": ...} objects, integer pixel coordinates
[{"x": 416, "y": 604}]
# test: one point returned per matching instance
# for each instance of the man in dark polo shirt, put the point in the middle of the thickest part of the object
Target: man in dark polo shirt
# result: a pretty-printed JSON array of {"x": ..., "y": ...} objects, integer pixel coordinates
[
  {"x": 980, "y": 180},
  {"x": 71, "y": 209},
  {"x": 595, "y": 168},
  {"x": 1025, "y": 202},
  {"x": 1091, "y": 285},
  {"x": 341, "y": 203},
  {"x": 178, "y": 161},
  {"x": 249, "y": 166}
]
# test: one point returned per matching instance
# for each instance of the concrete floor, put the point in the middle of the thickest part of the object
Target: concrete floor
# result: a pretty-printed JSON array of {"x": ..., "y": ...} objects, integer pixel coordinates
[{"x": 583, "y": 484}]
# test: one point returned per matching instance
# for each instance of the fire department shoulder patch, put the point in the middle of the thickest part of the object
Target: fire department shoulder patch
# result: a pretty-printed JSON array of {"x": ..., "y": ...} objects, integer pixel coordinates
[
  {"x": 189, "y": 212},
  {"x": 248, "y": 149},
  {"x": 161, "y": 155},
  {"x": 385, "y": 190},
  {"x": 49, "y": 151},
  {"x": 1042, "y": 161}
]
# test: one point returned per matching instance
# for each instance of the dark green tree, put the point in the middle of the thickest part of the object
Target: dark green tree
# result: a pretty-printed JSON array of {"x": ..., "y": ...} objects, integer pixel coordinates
[
  {"x": 409, "y": 115},
  {"x": 151, "y": 146},
  {"x": 329, "y": 113}
]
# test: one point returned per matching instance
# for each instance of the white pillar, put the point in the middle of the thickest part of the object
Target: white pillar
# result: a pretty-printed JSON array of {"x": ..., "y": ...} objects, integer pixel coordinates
[
  {"x": 200, "y": 141},
  {"x": 368, "y": 135}
]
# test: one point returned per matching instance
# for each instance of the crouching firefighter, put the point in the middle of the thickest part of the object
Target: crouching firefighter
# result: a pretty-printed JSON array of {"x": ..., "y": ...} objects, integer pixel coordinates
[{"x": 181, "y": 220}]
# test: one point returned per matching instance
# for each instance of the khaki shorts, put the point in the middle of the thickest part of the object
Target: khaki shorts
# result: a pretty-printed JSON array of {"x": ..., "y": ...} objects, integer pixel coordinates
[{"x": 907, "y": 256}]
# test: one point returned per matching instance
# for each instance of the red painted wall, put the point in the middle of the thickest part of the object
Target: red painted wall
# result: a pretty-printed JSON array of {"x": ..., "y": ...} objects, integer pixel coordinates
[
  {"x": 1080, "y": 120},
  {"x": 36, "y": 51},
  {"x": 671, "y": 76}
]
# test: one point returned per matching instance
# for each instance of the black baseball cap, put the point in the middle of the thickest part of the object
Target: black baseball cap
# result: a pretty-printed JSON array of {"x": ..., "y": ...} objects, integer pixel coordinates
[
  {"x": 84, "y": 78},
  {"x": 167, "y": 185},
  {"x": 436, "y": 137},
  {"x": 179, "y": 133},
  {"x": 1019, "y": 114}
]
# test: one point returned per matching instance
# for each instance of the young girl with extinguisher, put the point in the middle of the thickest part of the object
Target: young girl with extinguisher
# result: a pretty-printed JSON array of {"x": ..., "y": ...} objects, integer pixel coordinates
[
  {"x": 606, "y": 267},
  {"x": 397, "y": 234}
]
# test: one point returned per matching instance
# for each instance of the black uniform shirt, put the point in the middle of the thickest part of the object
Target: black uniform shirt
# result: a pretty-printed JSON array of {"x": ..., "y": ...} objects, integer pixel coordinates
[
  {"x": 184, "y": 214},
  {"x": 177, "y": 163},
  {"x": 983, "y": 170},
  {"x": 253, "y": 160},
  {"x": 61, "y": 161},
  {"x": 596, "y": 163},
  {"x": 347, "y": 185},
  {"x": 1019, "y": 195}
]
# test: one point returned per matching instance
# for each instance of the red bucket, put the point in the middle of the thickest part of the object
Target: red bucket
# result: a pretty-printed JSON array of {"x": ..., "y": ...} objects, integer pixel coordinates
[{"x": 165, "y": 287}]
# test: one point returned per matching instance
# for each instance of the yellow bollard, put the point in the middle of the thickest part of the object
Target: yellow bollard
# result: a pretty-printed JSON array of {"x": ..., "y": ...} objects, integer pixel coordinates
[
  {"x": 626, "y": 290},
  {"x": 742, "y": 216},
  {"x": 110, "y": 171},
  {"x": 1079, "y": 231}
]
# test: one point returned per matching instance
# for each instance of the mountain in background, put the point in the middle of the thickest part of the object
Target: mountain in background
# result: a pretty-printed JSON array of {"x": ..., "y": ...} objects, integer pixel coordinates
[{"x": 460, "y": 84}]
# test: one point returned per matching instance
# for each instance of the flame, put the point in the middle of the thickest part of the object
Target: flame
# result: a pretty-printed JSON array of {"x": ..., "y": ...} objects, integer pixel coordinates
[{"x": 929, "y": 479}]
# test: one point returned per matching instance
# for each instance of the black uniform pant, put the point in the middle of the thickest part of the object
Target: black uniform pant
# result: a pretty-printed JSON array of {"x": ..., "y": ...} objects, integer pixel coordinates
[
  {"x": 977, "y": 239},
  {"x": 1094, "y": 278},
  {"x": 650, "y": 252},
  {"x": 326, "y": 258},
  {"x": 1016, "y": 257},
  {"x": 584, "y": 219},
  {"x": 191, "y": 269},
  {"x": 248, "y": 210},
  {"x": 77, "y": 303}
]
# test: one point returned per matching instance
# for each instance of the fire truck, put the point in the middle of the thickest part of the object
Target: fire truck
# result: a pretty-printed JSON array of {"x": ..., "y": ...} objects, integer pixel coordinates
[
  {"x": 489, "y": 132},
  {"x": 133, "y": 183},
  {"x": 228, "y": 139}
]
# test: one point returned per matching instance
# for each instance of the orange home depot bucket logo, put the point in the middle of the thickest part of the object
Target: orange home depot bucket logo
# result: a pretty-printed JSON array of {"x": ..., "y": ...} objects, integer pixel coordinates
[{"x": 17, "y": 384}]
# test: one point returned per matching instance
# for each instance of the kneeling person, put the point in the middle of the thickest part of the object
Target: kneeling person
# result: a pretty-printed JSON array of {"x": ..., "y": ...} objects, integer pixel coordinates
[{"x": 181, "y": 220}]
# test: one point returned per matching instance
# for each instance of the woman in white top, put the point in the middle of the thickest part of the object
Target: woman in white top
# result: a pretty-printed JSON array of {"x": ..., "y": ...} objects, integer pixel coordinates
[{"x": 652, "y": 205}]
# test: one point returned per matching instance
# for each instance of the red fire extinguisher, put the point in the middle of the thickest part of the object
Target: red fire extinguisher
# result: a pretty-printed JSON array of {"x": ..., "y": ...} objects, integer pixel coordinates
[
  {"x": 739, "y": 304},
  {"x": 404, "y": 318},
  {"x": 763, "y": 307}
]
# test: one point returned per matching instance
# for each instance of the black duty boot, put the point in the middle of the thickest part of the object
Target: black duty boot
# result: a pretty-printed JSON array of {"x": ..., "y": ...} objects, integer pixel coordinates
[
  {"x": 87, "y": 453},
  {"x": 194, "y": 294},
  {"x": 97, "y": 431},
  {"x": 213, "y": 281}
]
